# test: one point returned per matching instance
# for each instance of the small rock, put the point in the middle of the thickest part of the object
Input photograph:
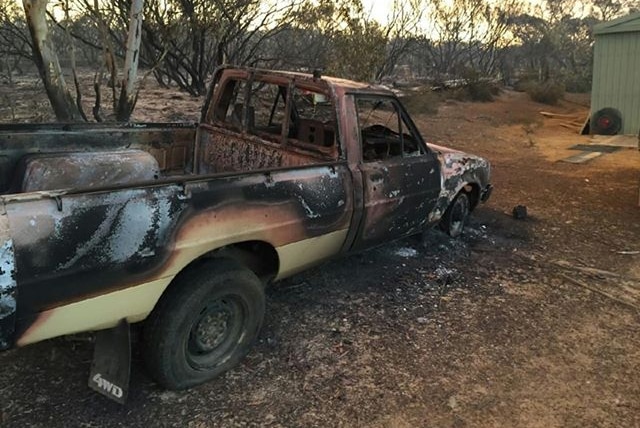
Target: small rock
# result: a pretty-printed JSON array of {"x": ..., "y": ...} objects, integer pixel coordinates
[
  {"x": 167, "y": 396},
  {"x": 453, "y": 402},
  {"x": 422, "y": 320},
  {"x": 271, "y": 341},
  {"x": 520, "y": 212},
  {"x": 406, "y": 252}
]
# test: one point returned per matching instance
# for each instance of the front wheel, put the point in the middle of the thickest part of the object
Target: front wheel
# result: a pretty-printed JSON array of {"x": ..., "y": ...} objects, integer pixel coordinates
[
  {"x": 455, "y": 217},
  {"x": 204, "y": 324}
]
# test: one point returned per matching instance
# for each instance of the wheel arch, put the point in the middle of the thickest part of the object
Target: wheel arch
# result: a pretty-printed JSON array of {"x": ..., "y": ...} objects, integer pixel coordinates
[
  {"x": 260, "y": 257},
  {"x": 473, "y": 191}
]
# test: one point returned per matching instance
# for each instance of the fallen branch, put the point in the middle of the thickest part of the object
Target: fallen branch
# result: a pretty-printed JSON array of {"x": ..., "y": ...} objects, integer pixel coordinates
[
  {"x": 588, "y": 270},
  {"x": 598, "y": 291},
  {"x": 570, "y": 126},
  {"x": 553, "y": 115}
]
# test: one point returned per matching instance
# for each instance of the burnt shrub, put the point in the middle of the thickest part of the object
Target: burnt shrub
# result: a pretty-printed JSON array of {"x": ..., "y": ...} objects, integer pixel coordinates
[
  {"x": 482, "y": 90},
  {"x": 577, "y": 83},
  {"x": 548, "y": 92},
  {"x": 421, "y": 101},
  {"x": 523, "y": 85},
  {"x": 476, "y": 90}
]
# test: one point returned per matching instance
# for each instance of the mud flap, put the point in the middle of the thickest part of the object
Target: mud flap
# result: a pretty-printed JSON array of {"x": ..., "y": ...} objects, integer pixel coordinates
[{"x": 112, "y": 362}]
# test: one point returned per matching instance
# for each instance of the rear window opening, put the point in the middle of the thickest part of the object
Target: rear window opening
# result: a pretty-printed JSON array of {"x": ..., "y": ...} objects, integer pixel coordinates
[{"x": 281, "y": 113}]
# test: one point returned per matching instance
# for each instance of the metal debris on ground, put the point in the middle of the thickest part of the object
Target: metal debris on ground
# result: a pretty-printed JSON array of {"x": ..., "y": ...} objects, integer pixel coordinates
[
  {"x": 582, "y": 157},
  {"x": 623, "y": 141},
  {"x": 603, "y": 148},
  {"x": 575, "y": 121},
  {"x": 519, "y": 212}
]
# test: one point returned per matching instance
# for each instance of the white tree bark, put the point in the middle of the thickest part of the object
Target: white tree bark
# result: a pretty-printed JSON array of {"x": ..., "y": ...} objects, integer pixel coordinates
[
  {"x": 47, "y": 62},
  {"x": 128, "y": 94}
]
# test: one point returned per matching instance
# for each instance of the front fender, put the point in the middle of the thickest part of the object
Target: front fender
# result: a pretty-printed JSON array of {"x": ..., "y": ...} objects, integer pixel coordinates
[{"x": 458, "y": 171}]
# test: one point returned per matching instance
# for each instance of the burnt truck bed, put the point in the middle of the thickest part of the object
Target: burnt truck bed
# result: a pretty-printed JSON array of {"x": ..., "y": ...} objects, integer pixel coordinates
[
  {"x": 62, "y": 156},
  {"x": 171, "y": 144},
  {"x": 182, "y": 225}
]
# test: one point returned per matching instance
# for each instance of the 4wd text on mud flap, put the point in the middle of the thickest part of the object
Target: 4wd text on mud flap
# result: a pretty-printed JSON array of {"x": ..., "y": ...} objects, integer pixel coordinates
[{"x": 109, "y": 387}]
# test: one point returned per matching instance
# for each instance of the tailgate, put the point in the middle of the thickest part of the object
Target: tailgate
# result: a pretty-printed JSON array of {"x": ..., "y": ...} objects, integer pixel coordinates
[{"x": 7, "y": 284}]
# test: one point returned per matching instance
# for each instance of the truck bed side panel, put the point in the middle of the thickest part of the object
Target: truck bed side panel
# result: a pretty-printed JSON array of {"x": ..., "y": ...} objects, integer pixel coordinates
[{"x": 75, "y": 251}]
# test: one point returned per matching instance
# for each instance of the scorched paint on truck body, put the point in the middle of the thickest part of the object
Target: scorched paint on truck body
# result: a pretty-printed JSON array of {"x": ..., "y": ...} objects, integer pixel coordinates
[
  {"x": 137, "y": 237},
  {"x": 104, "y": 223}
]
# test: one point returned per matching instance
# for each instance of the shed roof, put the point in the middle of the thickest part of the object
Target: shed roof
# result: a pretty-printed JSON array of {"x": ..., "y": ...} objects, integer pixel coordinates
[{"x": 625, "y": 24}]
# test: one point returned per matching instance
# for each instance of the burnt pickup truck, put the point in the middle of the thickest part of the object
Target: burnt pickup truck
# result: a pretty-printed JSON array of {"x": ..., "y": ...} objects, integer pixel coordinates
[{"x": 179, "y": 227}]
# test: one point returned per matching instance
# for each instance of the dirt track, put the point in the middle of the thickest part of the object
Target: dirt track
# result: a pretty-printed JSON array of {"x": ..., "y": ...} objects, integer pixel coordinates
[{"x": 498, "y": 328}]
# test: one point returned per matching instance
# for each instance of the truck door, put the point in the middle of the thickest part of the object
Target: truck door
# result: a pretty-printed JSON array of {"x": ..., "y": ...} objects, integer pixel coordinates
[{"x": 400, "y": 175}]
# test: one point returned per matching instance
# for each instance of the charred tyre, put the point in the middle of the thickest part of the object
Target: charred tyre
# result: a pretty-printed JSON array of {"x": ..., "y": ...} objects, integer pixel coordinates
[
  {"x": 455, "y": 217},
  {"x": 204, "y": 325}
]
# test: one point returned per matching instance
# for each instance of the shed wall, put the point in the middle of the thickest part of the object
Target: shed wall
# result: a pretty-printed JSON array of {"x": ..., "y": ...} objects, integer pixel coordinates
[{"x": 616, "y": 77}]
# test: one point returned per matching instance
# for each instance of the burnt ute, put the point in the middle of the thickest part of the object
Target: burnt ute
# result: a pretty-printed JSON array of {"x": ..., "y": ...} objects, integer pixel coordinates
[{"x": 103, "y": 225}]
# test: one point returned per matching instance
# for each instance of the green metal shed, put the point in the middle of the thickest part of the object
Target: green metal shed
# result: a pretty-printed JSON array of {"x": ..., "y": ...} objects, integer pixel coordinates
[{"x": 616, "y": 71}]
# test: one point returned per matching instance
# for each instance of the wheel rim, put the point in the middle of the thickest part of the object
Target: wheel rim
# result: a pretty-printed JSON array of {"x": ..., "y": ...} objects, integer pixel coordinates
[
  {"x": 459, "y": 213},
  {"x": 215, "y": 332},
  {"x": 604, "y": 122}
]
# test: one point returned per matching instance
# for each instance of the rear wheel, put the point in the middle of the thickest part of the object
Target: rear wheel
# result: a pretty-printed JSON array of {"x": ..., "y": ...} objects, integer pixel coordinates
[
  {"x": 204, "y": 324},
  {"x": 455, "y": 217}
]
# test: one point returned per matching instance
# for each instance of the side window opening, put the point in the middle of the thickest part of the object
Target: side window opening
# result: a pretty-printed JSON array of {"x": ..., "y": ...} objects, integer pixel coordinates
[
  {"x": 235, "y": 108},
  {"x": 230, "y": 108},
  {"x": 282, "y": 113},
  {"x": 384, "y": 131},
  {"x": 263, "y": 115},
  {"x": 268, "y": 108}
]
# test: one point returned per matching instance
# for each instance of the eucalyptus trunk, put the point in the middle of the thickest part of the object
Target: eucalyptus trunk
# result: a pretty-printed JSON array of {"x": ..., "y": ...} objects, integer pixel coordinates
[
  {"x": 46, "y": 59},
  {"x": 128, "y": 93}
]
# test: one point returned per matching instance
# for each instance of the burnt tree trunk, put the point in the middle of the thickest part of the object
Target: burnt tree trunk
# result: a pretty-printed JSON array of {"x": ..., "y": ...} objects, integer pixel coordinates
[
  {"x": 128, "y": 94},
  {"x": 46, "y": 59}
]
